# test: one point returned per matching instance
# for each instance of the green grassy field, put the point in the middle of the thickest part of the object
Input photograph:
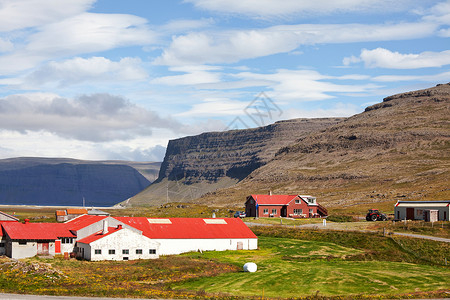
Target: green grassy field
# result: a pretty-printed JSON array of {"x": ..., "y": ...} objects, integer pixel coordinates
[
  {"x": 292, "y": 263},
  {"x": 297, "y": 268}
]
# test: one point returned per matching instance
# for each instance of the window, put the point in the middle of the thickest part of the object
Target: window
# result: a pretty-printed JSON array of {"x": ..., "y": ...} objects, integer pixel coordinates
[
  {"x": 111, "y": 251},
  {"x": 98, "y": 251},
  {"x": 67, "y": 240},
  {"x": 274, "y": 211},
  {"x": 152, "y": 251},
  {"x": 125, "y": 251},
  {"x": 22, "y": 242},
  {"x": 266, "y": 211},
  {"x": 297, "y": 201},
  {"x": 138, "y": 251},
  {"x": 298, "y": 211},
  {"x": 311, "y": 211},
  {"x": 2, "y": 245}
]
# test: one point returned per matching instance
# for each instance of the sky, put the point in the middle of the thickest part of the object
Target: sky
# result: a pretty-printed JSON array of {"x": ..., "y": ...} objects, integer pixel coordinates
[{"x": 113, "y": 79}]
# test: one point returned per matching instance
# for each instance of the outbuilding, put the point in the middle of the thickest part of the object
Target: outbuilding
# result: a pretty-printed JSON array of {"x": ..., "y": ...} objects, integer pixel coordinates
[
  {"x": 422, "y": 210},
  {"x": 30, "y": 239}
]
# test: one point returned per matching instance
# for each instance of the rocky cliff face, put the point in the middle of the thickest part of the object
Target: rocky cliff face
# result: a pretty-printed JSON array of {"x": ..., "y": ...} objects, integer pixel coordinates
[
  {"x": 396, "y": 149},
  {"x": 199, "y": 164},
  {"x": 41, "y": 181}
]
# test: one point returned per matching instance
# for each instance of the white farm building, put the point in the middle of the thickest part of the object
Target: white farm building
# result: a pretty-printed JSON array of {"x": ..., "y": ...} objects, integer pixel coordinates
[
  {"x": 423, "y": 210},
  {"x": 125, "y": 238}
]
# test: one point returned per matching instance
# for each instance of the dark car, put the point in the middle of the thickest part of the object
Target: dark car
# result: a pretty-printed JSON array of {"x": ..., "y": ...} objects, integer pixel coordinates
[{"x": 240, "y": 214}]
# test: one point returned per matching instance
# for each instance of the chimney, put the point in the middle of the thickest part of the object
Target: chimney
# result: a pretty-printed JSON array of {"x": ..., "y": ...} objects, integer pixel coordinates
[
  {"x": 105, "y": 226},
  {"x": 270, "y": 193},
  {"x": 119, "y": 226},
  {"x": 26, "y": 221}
]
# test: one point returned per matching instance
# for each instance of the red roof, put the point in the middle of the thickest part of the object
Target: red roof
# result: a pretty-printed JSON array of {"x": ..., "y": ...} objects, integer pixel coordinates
[
  {"x": 190, "y": 228},
  {"x": 36, "y": 231},
  {"x": 273, "y": 199},
  {"x": 61, "y": 213},
  {"x": 98, "y": 235},
  {"x": 83, "y": 221},
  {"x": 76, "y": 211}
]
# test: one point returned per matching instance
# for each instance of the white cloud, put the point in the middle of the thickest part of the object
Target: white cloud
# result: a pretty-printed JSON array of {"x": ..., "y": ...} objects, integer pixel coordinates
[
  {"x": 439, "y": 13},
  {"x": 336, "y": 110},
  {"x": 383, "y": 58},
  {"x": 98, "y": 117},
  {"x": 83, "y": 33},
  {"x": 177, "y": 26},
  {"x": 194, "y": 75},
  {"x": 306, "y": 85},
  {"x": 216, "y": 107},
  {"x": 271, "y": 8},
  {"x": 78, "y": 70},
  {"x": 6, "y": 45},
  {"x": 232, "y": 46},
  {"x": 19, "y": 14},
  {"x": 440, "y": 78}
]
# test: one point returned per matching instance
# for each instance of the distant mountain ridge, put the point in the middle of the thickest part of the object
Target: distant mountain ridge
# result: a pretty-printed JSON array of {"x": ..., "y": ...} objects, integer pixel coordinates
[
  {"x": 396, "y": 149},
  {"x": 63, "y": 181},
  {"x": 196, "y": 165}
]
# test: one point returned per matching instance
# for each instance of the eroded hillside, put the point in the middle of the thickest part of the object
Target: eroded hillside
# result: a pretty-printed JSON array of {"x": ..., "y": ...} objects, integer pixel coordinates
[
  {"x": 196, "y": 165},
  {"x": 397, "y": 149}
]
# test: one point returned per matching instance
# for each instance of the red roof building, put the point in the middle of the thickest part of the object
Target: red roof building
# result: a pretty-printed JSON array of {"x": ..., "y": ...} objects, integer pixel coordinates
[
  {"x": 112, "y": 238},
  {"x": 294, "y": 206}
]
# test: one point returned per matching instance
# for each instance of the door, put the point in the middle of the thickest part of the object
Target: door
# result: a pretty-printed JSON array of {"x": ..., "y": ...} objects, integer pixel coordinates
[
  {"x": 42, "y": 248},
  {"x": 283, "y": 211},
  {"x": 57, "y": 246},
  {"x": 410, "y": 213},
  {"x": 240, "y": 245}
]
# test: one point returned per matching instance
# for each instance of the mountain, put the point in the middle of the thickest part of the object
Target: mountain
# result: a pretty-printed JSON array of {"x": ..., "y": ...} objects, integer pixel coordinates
[
  {"x": 196, "y": 165},
  {"x": 63, "y": 181},
  {"x": 396, "y": 149}
]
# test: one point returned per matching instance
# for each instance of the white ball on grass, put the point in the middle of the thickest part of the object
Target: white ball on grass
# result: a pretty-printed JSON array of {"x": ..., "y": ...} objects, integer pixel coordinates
[{"x": 250, "y": 267}]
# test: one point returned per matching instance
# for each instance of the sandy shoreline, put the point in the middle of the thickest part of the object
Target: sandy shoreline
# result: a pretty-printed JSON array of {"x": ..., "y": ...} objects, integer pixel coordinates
[{"x": 5, "y": 206}]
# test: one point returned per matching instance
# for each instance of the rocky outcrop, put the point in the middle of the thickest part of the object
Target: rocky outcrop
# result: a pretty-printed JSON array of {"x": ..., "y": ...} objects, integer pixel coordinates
[
  {"x": 199, "y": 164},
  {"x": 44, "y": 181},
  {"x": 396, "y": 148}
]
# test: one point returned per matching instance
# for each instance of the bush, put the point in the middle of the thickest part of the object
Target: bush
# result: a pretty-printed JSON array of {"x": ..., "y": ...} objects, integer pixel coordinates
[{"x": 341, "y": 218}]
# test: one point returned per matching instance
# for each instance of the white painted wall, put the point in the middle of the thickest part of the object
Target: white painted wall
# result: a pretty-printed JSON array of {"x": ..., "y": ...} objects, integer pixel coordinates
[
  {"x": 118, "y": 241},
  {"x": 29, "y": 250},
  {"x": 68, "y": 247},
  {"x": 400, "y": 212},
  {"x": 177, "y": 246}
]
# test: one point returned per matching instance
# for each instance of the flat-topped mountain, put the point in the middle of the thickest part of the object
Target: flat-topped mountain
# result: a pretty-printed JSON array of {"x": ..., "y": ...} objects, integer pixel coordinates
[
  {"x": 63, "y": 181},
  {"x": 396, "y": 149},
  {"x": 203, "y": 163}
]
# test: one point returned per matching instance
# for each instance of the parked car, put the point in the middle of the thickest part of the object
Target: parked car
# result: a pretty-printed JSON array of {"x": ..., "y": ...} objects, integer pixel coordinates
[{"x": 240, "y": 214}]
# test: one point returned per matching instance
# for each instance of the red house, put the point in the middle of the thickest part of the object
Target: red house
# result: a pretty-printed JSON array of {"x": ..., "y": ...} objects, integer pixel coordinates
[{"x": 293, "y": 206}]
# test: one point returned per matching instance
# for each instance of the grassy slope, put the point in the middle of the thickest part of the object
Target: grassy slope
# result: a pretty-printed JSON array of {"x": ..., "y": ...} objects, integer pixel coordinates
[
  {"x": 293, "y": 268},
  {"x": 291, "y": 262},
  {"x": 399, "y": 151}
]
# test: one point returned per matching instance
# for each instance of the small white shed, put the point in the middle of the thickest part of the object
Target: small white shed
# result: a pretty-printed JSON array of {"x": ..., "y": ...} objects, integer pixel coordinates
[{"x": 422, "y": 210}]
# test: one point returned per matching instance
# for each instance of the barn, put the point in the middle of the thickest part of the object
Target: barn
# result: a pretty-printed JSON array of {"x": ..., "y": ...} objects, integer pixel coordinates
[
  {"x": 125, "y": 238},
  {"x": 422, "y": 210},
  {"x": 294, "y": 206},
  {"x": 30, "y": 239}
]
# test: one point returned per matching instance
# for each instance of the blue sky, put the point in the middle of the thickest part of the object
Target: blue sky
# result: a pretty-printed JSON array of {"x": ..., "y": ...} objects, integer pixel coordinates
[{"x": 117, "y": 79}]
